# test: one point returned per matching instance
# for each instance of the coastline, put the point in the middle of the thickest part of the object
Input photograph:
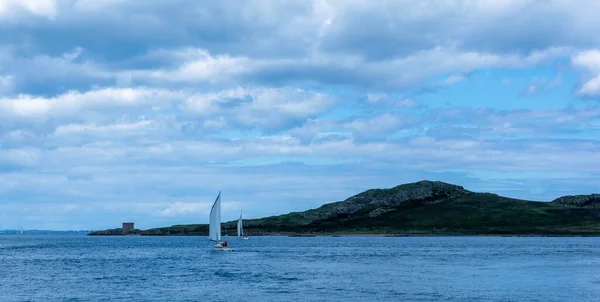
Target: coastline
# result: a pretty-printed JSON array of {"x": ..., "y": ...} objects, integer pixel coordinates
[
  {"x": 420, "y": 209},
  {"x": 363, "y": 235}
]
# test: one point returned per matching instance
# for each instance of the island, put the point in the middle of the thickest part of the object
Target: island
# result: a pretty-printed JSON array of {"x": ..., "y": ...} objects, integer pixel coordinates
[{"x": 421, "y": 208}]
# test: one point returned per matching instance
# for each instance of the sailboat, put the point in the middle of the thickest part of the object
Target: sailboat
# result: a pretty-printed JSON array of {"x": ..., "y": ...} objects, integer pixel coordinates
[
  {"x": 240, "y": 228},
  {"x": 214, "y": 227}
]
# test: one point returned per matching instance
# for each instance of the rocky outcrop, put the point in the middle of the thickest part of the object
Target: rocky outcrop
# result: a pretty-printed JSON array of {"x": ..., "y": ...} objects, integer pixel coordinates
[
  {"x": 379, "y": 211},
  {"x": 426, "y": 191},
  {"x": 422, "y": 190},
  {"x": 592, "y": 200}
]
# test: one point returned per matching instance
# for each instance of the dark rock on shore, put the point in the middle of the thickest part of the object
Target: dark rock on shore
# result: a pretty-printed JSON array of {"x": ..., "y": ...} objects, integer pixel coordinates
[{"x": 116, "y": 232}]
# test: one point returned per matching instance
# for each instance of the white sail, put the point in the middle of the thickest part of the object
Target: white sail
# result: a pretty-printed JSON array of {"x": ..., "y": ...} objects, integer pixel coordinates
[
  {"x": 214, "y": 228},
  {"x": 240, "y": 227}
]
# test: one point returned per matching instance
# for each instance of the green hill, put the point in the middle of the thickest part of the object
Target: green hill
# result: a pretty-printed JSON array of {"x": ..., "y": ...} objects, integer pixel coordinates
[{"x": 421, "y": 208}]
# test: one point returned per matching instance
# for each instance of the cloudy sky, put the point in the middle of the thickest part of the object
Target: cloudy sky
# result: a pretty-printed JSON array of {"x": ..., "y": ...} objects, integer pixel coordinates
[{"x": 115, "y": 110}]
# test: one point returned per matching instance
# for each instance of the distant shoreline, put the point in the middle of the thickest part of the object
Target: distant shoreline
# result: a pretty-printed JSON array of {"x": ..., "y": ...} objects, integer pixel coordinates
[{"x": 369, "y": 235}]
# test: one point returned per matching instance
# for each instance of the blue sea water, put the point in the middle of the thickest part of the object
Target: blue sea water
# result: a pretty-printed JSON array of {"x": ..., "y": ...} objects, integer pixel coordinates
[{"x": 134, "y": 268}]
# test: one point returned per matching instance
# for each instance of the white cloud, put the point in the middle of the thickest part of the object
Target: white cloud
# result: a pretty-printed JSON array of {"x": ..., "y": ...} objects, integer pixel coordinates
[
  {"x": 180, "y": 208},
  {"x": 541, "y": 85},
  {"x": 96, "y": 5},
  {"x": 185, "y": 208},
  {"x": 142, "y": 127},
  {"x": 421, "y": 151},
  {"x": 380, "y": 124},
  {"x": 399, "y": 72},
  {"x": 61, "y": 70},
  {"x": 138, "y": 110},
  {"x": 267, "y": 108},
  {"x": 210, "y": 104},
  {"x": 10, "y": 9},
  {"x": 590, "y": 88},
  {"x": 73, "y": 102},
  {"x": 200, "y": 66},
  {"x": 385, "y": 99},
  {"x": 71, "y": 56},
  {"x": 589, "y": 62},
  {"x": 453, "y": 79}
]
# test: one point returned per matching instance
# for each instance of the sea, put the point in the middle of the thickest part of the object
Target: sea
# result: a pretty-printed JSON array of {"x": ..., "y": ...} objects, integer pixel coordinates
[{"x": 354, "y": 268}]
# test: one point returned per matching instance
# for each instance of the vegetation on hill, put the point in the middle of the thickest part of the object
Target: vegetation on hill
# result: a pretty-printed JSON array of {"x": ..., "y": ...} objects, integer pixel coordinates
[{"x": 422, "y": 208}]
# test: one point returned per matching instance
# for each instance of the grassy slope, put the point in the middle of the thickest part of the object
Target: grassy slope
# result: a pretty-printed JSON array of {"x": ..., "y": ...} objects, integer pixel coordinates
[
  {"x": 472, "y": 214},
  {"x": 477, "y": 213}
]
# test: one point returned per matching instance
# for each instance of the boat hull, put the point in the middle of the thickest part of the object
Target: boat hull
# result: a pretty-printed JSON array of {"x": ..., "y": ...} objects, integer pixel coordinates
[{"x": 223, "y": 249}]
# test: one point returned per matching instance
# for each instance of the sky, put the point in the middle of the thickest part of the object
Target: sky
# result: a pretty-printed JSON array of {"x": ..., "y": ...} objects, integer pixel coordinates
[{"x": 123, "y": 110}]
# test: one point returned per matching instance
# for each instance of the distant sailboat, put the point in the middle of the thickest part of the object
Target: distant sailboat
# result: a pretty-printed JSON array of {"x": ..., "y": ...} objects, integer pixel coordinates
[
  {"x": 214, "y": 227},
  {"x": 240, "y": 228},
  {"x": 21, "y": 230}
]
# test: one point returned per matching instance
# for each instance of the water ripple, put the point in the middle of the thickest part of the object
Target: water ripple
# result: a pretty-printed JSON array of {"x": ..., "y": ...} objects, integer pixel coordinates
[{"x": 81, "y": 268}]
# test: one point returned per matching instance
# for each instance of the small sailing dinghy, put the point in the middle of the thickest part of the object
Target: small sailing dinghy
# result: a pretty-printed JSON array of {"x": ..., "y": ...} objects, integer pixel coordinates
[
  {"x": 240, "y": 228},
  {"x": 214, "y": 227}
]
